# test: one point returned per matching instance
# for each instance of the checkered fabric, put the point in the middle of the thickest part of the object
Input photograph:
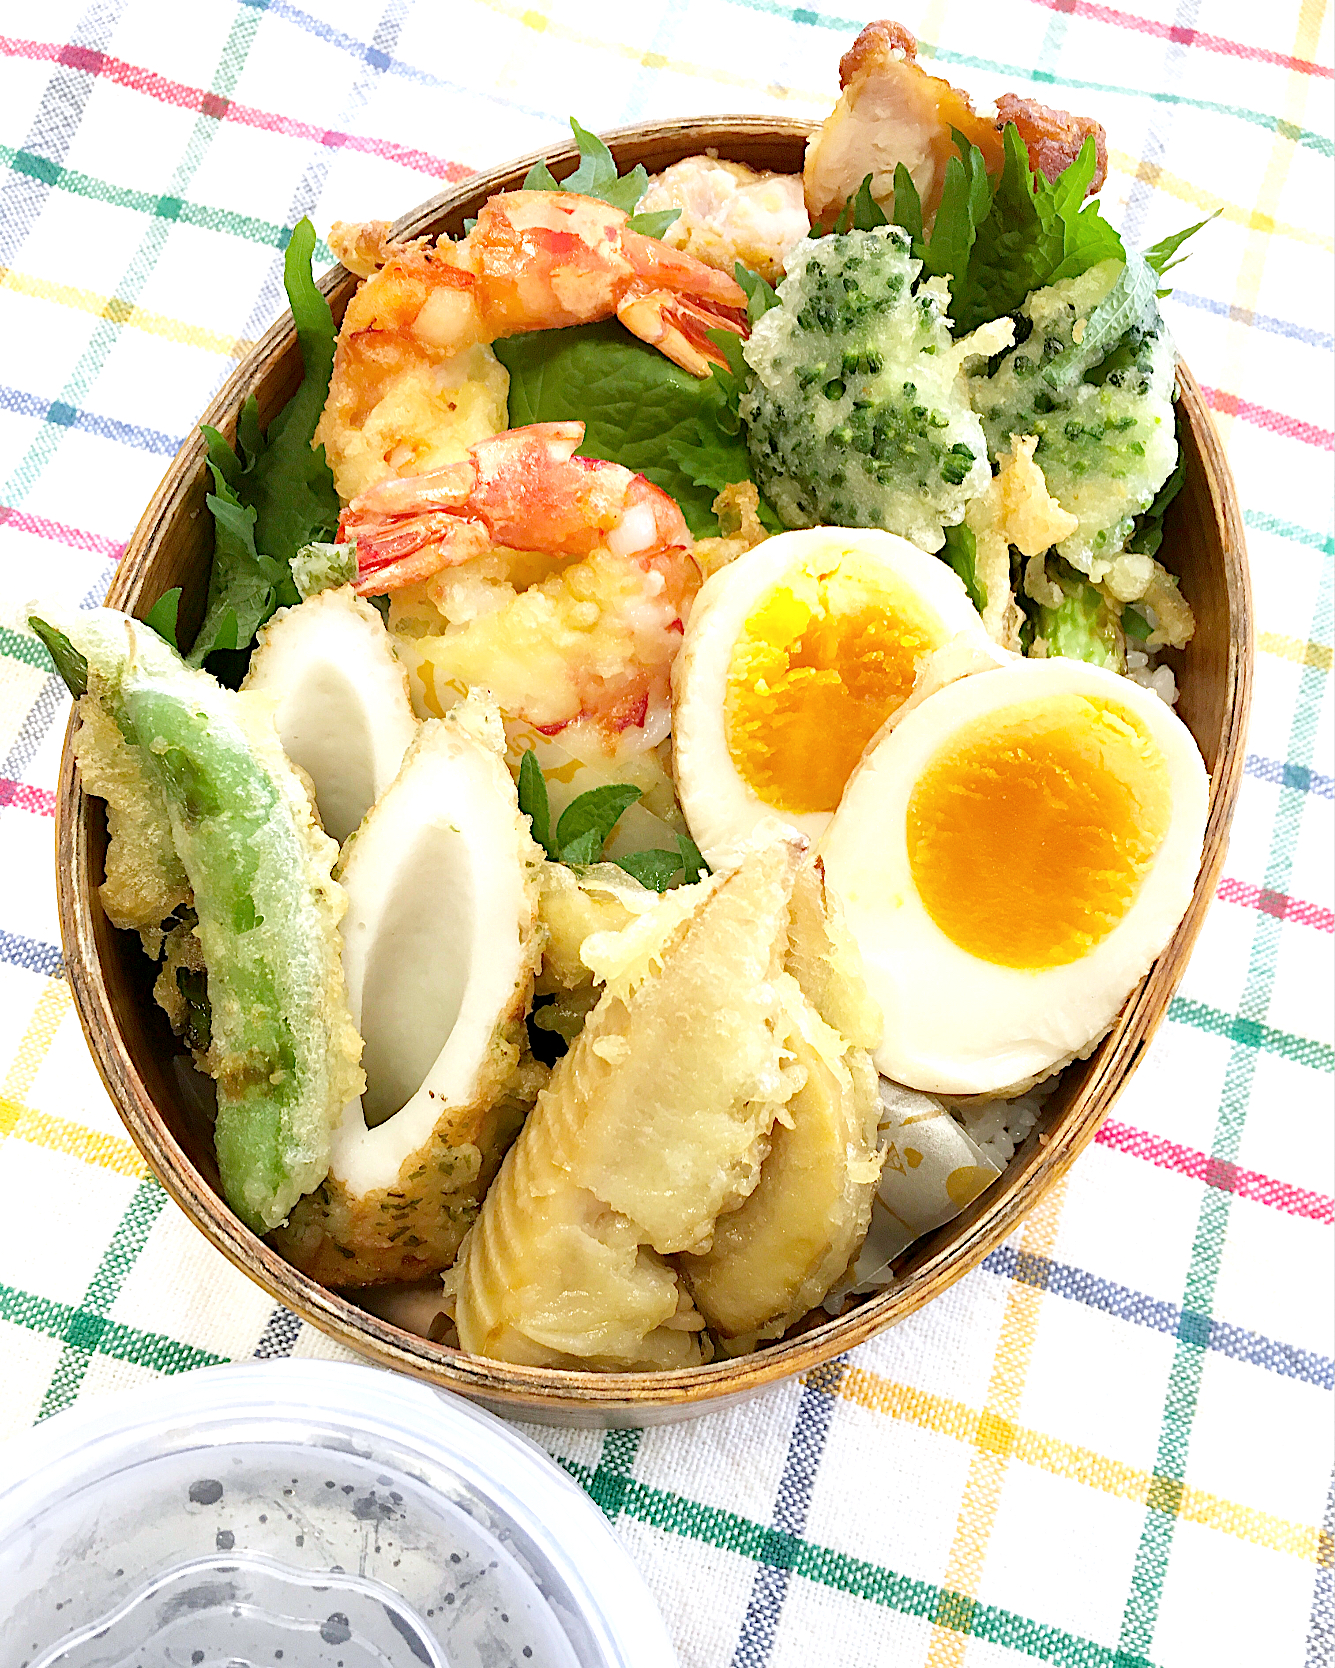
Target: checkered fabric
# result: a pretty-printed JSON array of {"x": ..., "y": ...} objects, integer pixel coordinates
[{"x": 1111, "y": 1445}]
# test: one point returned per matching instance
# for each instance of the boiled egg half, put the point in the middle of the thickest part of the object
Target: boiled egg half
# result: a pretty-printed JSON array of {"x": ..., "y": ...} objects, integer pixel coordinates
[
  {"x": 1012, "y": 856},
  {"x": 795, "y": 654}
]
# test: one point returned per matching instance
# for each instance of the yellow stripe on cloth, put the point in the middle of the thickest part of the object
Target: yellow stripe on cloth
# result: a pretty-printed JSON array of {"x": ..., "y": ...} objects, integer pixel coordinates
[
  {"x": 93, "y": 1146},
  {"x": 987, "y": 1469},
  {"x": 541, "y": 24},
  {"x": 123, "y": 312},
  {"x": 51, "y": 1007},
  {"x": 41, "y": 1129},
  {"x": 993, "y": 1434},
  {"x": 1254, "y": 219},
  {"x": 1319, "y": 655},
  {"x": 1283, "y": 149}
]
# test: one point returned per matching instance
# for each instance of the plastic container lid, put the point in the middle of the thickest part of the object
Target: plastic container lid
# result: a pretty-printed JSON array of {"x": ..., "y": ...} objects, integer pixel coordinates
[{"x": 307, "y": 1514}]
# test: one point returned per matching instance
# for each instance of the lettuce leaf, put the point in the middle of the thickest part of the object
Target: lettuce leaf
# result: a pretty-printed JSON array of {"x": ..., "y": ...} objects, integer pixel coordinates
[{"x": 273, "y": 494}]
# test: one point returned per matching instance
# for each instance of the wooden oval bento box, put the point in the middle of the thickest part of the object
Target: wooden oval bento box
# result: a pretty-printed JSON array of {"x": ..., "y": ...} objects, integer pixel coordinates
[{"x": 135, "y": 1050}]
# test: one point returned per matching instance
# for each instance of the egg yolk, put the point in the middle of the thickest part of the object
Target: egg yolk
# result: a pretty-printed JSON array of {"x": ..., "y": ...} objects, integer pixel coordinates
[
  {"x": 1030, "y": 834},
  {"x": 821, "y": 663}
]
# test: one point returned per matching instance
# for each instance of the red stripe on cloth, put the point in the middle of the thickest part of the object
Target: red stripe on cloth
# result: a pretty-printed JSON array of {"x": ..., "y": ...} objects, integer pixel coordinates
[
  {"x": 1277, "y": 904},
  {"x": 184, "y": 97},
  {"x": 24, "y": 797},
  {"x": 1185, "y": 37},
  {"x": 1214, "y": 1172},
  {"x": 77, "y": 538},
  {"x": 1278, "y": 422}
]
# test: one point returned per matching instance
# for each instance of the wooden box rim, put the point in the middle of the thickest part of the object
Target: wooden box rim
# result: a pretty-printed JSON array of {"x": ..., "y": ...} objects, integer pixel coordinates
[{"x": 628, "y": 1398}]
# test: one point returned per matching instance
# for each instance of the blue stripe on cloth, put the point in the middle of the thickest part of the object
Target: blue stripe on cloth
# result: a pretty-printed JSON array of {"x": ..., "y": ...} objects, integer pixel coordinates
[
  {"x": 806, "y": 1445},
  {"x": 379, "y": 59},
  {"x": 31, "y": 954},
  {"x": 1281, "y": 774},
  {"x": 1140, "y": 1309},
  {"x": 23, "y": 404},
  {"x": 1321, "y": 1620},
  {"x": 23, "y": 196},
  {"x": 1258, "y": 321}
]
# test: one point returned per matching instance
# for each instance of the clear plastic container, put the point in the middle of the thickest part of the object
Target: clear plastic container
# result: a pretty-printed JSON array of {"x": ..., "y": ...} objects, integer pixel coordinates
[{"x": 306, "y": 1515}]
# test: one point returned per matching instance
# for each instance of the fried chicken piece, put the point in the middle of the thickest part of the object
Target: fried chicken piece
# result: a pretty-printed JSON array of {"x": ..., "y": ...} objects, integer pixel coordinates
[
  {"x": 1053, "y": 137},
  {"x": 891, "y": 111}
]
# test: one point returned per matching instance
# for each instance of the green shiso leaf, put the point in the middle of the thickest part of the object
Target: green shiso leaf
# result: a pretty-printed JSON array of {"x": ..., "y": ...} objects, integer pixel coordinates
[
  {"x": 587, "y": 821},
  {"x": 655, "y": 223},
  {"x": 637, "y": 407},
  {"x": 274, "y": 494},
  {"x": 1035, "y": 232},
  {"x": 654, "y": 869},
  {"x": 596, "y": 175},
  {"x": 1160, "y": 256},
  {"x": 1130, "y": 302},
  {"x": 534, "y": 804},
  {"x": 961, "y": 552},
  {"x": 860, "y": 213},
  {"x": 692, "y": 861},
  {"x": 162, "y": 615}
]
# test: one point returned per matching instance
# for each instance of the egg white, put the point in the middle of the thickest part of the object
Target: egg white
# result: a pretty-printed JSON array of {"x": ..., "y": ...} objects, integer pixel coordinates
[
  {"x": 723, "y": 811},
  {"x": 955, "y": 1023}
]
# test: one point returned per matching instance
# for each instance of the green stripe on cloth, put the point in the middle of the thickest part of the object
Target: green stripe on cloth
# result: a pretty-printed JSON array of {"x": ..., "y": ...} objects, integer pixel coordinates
[
  {"x": 1264, "y": 523},
  {"x": 1141, "y": 1612},
  {"x": 201, "y": 215},
  {"x": 1250, "y": 1033},
  {"x": 84, "y": 1329},
  {"x": 86, "y": 1325},
  {"x": 239, "y": 41},
  {"x": 16, "y": 646},
  {"x": 675, "y": 1514},
  {"x": 609, "y": 1483}
]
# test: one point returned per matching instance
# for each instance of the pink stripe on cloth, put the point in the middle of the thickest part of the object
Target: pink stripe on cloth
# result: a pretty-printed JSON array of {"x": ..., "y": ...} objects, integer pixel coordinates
[
  {"x": 1277, "y": 904},
  {"x": 24, "y": 797},
  {"x": 1185, "y": 37},
  {"x": 1214, "y": 1172},
  {"x": 1278, "y": 422},
  {"x": 184, "y": 97},
  {"x": 77, "y": 538}
]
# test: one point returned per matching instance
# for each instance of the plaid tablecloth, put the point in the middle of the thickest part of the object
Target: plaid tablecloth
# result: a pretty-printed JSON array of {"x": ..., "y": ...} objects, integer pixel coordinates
[{"x": 1111, "y": 1445}]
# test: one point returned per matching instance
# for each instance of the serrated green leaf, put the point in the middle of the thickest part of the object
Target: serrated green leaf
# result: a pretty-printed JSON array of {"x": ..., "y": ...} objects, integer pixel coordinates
[
  {"x": 539, "y": 178},
  {"x": 1125, "y": 306},
  {"x": 966, "y": 200},
  {"x": 693, "y": 864},
  {"x": 68, "y": 662},
  {"x": 908, "y": 209},
  {"x": 961, "y": 553},
  {"x": 637, "y": 408},
  {"x": 586, "y": 822},
  {"x": 534, "y": 804},
  {"x": 596, "y": 175},
  {"x": 760, "y": 297},
  {"x": 1035, "y": 233},
  {"x": 1159, "y": 257},
  {"x": 162, "y": 615},
  {"x": 276, "y": 479},
  {"x": 653, "y": 869},
  {"x": 655, "y": 223}
]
